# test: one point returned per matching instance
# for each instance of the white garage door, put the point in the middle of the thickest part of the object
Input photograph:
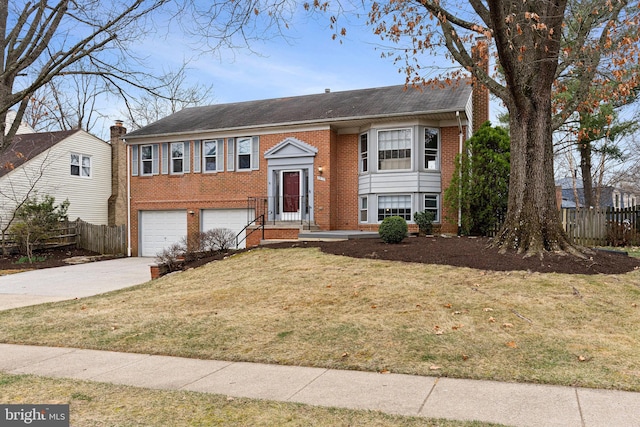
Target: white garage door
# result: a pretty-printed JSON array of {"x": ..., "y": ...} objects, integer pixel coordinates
[
  {"x": 233, "y": 219},
  {"x": 160, "y": 229}
]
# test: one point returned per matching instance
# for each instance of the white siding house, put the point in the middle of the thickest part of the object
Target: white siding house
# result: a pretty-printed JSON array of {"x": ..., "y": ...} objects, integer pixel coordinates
[{"x": 73, "y": 165}]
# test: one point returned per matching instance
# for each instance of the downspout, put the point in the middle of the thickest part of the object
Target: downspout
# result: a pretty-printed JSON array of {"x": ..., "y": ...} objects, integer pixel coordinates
[
  {"x": 460, "y": 136},
  {"x": 128, "y": 199}
]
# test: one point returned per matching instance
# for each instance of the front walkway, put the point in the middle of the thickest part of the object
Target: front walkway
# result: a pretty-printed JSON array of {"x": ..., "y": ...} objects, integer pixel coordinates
[{"x": 337, "y": 235}]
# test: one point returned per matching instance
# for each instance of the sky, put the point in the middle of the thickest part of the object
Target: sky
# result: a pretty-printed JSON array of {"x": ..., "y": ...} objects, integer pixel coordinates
[{"x": 308, "y": 62}]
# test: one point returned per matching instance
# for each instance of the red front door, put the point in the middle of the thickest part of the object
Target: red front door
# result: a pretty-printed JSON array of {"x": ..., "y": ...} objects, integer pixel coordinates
[{"x": 291, "y": 191}]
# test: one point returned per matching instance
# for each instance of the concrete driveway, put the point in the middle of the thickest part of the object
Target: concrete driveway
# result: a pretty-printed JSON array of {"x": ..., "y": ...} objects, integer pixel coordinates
[{"x": 72, "y": 281}]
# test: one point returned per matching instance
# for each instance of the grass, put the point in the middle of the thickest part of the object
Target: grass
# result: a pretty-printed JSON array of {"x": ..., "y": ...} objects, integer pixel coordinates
[
  {"x": 96, "y": 404},
  {"x": 303, "y": 307}
]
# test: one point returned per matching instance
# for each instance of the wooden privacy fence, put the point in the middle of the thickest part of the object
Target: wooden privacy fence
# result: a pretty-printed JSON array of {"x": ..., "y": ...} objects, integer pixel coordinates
[
  {"x": 100, "y": 238},
  {"x": 63, "y": 235},
  {"x": 602, "y": 227}
]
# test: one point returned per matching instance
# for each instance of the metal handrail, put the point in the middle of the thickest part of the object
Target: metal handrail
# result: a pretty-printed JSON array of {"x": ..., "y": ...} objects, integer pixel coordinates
[{"x": 260, "y": 217}]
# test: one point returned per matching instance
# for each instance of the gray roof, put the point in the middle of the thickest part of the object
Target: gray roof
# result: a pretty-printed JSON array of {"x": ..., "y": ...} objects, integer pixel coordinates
[
  {"x": 26, "y": 146},
  {"x": 331, "y": 107}
]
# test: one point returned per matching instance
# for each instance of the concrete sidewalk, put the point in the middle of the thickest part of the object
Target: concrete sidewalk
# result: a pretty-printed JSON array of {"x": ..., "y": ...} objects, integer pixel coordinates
[{"x": 505, "y": 403}]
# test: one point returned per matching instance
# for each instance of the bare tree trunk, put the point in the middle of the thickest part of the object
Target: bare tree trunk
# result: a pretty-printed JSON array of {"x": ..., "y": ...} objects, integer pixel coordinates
[
  {"x": 532, "y": 225},
  {"x": 584, "y": 148},
  {"x": 574, "y": 180}
]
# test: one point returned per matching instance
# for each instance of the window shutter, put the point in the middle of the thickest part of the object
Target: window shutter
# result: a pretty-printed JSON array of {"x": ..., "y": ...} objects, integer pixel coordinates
[
  {"x": 134, "y": 160},
  {"x": 255, "y": 150},
  {"x": 197, "y": 163},
  {"x": 154, "y": 159},
  {"x": 220, "y": 155},
  {"x": 165, "y": 158},
  {"x": 186, "y": 160},
  {"x": 231, "y": 154}
]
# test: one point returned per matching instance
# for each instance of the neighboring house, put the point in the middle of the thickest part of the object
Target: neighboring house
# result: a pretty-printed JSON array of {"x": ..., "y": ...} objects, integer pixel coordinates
[
  {"x": 73, "y": 165},
  {"x": 23, "y": 127},
  {"x": 331, "y": 161},
  {"x": 610, "y": 197}
]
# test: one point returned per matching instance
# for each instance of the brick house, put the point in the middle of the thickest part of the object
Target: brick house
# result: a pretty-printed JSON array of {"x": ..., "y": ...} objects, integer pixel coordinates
[{"x": 330, "y": 161}]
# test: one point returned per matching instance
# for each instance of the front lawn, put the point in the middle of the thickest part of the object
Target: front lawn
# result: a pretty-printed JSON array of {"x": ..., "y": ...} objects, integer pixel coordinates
[{"x": 304, "y": 307}]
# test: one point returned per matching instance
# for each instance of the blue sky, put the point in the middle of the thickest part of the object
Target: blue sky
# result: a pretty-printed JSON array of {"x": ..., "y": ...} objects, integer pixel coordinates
[{"x": 307, "y": 62}]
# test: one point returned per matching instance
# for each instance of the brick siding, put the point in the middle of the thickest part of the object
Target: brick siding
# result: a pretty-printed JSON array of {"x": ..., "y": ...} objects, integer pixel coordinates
[{"x": 336, "y": 201}]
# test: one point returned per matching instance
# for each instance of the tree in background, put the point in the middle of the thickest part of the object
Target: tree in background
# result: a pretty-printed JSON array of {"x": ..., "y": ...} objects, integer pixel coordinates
[
  {"x": 37, "y": 220},
  {"x": 599, "y": 135},
  {"x": 47, "y": 41},
  {"x": 480, "y": 184},
  {"x": 73, "y": 102},
  {"x": 534, "y": 49},
  {"x": 173, "y": 95}
]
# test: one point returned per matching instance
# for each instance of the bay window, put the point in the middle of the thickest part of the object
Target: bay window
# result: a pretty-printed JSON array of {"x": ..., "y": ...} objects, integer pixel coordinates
[
  {"x": 396, "y": 205},
  {"x": 394, "y": 149}
]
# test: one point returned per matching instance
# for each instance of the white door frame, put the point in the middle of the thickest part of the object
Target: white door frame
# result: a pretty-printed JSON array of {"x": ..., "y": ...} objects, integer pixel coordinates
[{"x": 291, "y": 216}]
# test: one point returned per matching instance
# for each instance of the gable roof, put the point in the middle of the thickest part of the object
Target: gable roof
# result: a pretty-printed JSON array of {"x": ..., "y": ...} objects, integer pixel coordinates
[
  {"x": 328, "y": 107},
  {"x": 27, "y": 146}
]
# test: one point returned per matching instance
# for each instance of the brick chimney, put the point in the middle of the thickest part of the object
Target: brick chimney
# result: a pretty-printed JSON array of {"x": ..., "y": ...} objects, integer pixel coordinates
[
  {"x": 118, "y": 200},
  {"x": 480, "y": 55}
]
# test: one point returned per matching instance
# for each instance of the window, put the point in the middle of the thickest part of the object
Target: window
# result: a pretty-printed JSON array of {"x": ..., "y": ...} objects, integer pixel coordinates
[
  {"x": 431, "y": 146},
  {"x": 177, "y": 157},
  {"x": 431, "y": 205},
  {"x": 394, "y": 149},
  {"x": 364, "y": 209},
  {"x": 394, "y": 206},
  {"x": 211, "y": 156},
  {"x": 146, "y": 160},
  {"x": 244, "y": 153},
  {"x": 364, "y": 148},
  {"x": 80, "y": 165}
]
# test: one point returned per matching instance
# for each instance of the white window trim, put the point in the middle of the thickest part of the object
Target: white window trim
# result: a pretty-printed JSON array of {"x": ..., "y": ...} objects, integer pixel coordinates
[
  {"x": 219, "y": 155},
  {"x": 171, "y": 158},
  {"x": 412, "y": 147},
  {"x": 154, "y": 160},
  {"x": 410, "y": 220},
  {"x": 438, "y": 218},
  {"x": 438, "y": 150},
  {"x": 364, "y": 200},
  {"x": 363, "y": 156},
  {"x": 81, "y": 157},
  {"x": 254, "y": 161}
]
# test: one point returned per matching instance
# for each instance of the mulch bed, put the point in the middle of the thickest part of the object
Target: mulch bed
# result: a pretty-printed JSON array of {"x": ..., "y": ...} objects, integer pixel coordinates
[
  {"x": 465, "y": 252},
  {"x": 47, "y": 258},
  {"x": 454, "y": 251}
]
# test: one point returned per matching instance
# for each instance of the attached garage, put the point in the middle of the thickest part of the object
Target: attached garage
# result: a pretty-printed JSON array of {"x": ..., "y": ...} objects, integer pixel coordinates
[
  {"x": 160, "y": 229},
  {"x": 233, "y": 219}
]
